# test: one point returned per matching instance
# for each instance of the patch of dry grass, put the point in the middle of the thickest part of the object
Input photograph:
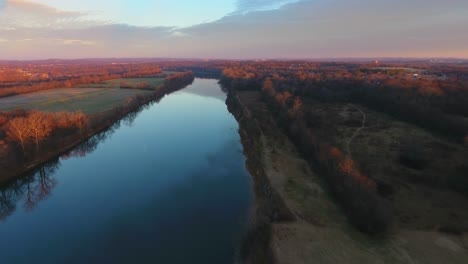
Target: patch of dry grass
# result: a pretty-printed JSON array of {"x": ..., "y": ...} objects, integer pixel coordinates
[{"x": 88, "y": 100}]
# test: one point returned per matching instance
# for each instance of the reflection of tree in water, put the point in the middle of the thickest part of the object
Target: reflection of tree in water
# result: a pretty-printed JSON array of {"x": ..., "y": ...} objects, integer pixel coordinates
[
  {"x": 40, "y": 184},
  {"x": 91, "y": 144},
  {"x": 37, "y": 186},
  {"x": 29, "y": 190},
  {"x": 129, "y": 119},
  {"x": 7, "y": 203}
]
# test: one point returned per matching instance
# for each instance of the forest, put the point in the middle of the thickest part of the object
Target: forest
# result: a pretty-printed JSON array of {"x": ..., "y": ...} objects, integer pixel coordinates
[{"x": 301, "y": 97}]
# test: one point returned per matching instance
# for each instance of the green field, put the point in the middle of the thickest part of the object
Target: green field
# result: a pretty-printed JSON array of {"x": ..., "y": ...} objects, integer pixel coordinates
[
  {"x": 131, "y": 82},
  {"x": 88, "y": 100}
]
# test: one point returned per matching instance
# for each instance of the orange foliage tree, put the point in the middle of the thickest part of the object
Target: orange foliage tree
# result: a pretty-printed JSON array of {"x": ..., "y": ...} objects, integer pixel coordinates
[
  {"x": 40, "y": 126},
  {"x": 18, "y": 131},
  {"x": 79, "y": 119}
]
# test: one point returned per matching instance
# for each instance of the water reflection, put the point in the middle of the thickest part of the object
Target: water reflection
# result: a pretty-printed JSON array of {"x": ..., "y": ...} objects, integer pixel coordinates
[
  {"x": 37, "y": 185},
  {"x": 172, "y": 188},
  {"x": 129, "y": 119},
  {"x": 208, "y": 88},
  {"x": 28, "y": 190},
  {"x": 90, "y": 145}
]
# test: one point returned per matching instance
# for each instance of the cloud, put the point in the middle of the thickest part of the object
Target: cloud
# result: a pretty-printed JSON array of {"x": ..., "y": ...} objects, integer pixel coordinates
[
  {"x": 246, "y": 6},
  {"x": 304, "y": 29},
  {"x": 178, "y": 34},
  {"x": 25, "y": 14},
  {"x": 75, "y": 42},
  {"x": 339, "y": 28}
]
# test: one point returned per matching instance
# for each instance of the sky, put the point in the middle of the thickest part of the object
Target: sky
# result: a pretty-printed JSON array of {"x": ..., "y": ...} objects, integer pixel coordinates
[{"x": 233, "y": 29}]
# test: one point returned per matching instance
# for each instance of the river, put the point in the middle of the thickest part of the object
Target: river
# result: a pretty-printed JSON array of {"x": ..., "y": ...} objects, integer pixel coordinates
[{"x": 165, "y": 185}]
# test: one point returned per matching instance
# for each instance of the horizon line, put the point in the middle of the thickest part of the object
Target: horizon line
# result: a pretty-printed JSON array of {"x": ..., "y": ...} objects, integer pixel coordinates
[{"x": 240, "y": 59}]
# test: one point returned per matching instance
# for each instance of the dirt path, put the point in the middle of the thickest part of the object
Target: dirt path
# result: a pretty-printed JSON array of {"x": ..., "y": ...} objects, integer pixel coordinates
[
  {"x": 363, "y": 125},
  {"x": 321, "y": 232}
]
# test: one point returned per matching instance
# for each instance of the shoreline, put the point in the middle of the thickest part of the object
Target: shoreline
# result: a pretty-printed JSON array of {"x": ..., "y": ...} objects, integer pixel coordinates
[
  {"x": 268, "y": 206},
  {"x": 72, "y": 141}
]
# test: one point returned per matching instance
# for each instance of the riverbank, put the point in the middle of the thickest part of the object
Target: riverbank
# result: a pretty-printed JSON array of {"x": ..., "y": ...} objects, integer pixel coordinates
[
  {"x": 268, "y": 205},
  {"x": 97, "y": 123},
  {"x": 316, "y": 229}
]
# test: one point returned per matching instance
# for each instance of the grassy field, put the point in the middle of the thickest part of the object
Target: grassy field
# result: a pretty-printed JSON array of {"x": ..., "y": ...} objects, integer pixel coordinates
[
  {"x": 88, "y": 100},
  {"x": 421, "y": 197},
  {"x": 131, "y": 82}
]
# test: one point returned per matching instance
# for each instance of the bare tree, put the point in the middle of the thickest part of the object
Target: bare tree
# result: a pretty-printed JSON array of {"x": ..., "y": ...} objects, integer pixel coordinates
[
  {"x": 18, "y": 130},
  {"x": 40, "y": 127}
]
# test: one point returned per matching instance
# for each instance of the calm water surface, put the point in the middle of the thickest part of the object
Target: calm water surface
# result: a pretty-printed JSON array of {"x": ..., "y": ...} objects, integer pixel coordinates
[{"x": 166, "y": 185}]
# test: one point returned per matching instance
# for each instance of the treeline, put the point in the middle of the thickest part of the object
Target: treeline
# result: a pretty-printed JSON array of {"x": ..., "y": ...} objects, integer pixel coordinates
[
  {"x": 32, "y": 134},
  {"x": 440, "y": 106},
  {"x": 47, "y": 71},
  {"x": 35, "y": 127},
  {"x": 29, "y": 137},
  {"x": 201, "y": 69},
  {"x": 26, "y": 79},
  {"x": 356, "y": 192},
  {"x": 269, "y": 206},
  {"x": 178, "y": 80},
  {"x": 139, "y": 86},
  {"x": 440, "y": 112}
]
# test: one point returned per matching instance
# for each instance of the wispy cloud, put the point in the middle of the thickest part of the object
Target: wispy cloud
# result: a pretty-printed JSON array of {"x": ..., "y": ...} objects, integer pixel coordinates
[
  {"x": 178, "y": 34},
  {"x": 246, "y": 6},
  {"x": 24, "y": 14},
  {"x": 76, "y": 42}
]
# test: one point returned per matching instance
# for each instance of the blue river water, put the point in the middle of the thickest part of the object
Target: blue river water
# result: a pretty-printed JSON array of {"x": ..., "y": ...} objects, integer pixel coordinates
[{"x": 165, "y": 185}]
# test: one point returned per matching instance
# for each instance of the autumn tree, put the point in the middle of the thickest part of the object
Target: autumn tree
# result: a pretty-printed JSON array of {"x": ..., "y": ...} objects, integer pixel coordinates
[
  {"x": 282, "y": 98},
  {"x": 296, "y": 107},
  {"x": 62, "y": 119},
  {"x": 3, "y": 120},
  {"x": 268, "y": 87},
  {"x": 40, "y": 127},
  {"x": 18, "y": 130},
  {"x": 79, "y": 119}
]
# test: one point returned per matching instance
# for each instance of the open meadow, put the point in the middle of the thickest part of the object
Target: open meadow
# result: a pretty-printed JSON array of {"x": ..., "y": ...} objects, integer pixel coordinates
[
  {"x": 87, "y": 100},
  {"x": 128, "y": 83}
]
